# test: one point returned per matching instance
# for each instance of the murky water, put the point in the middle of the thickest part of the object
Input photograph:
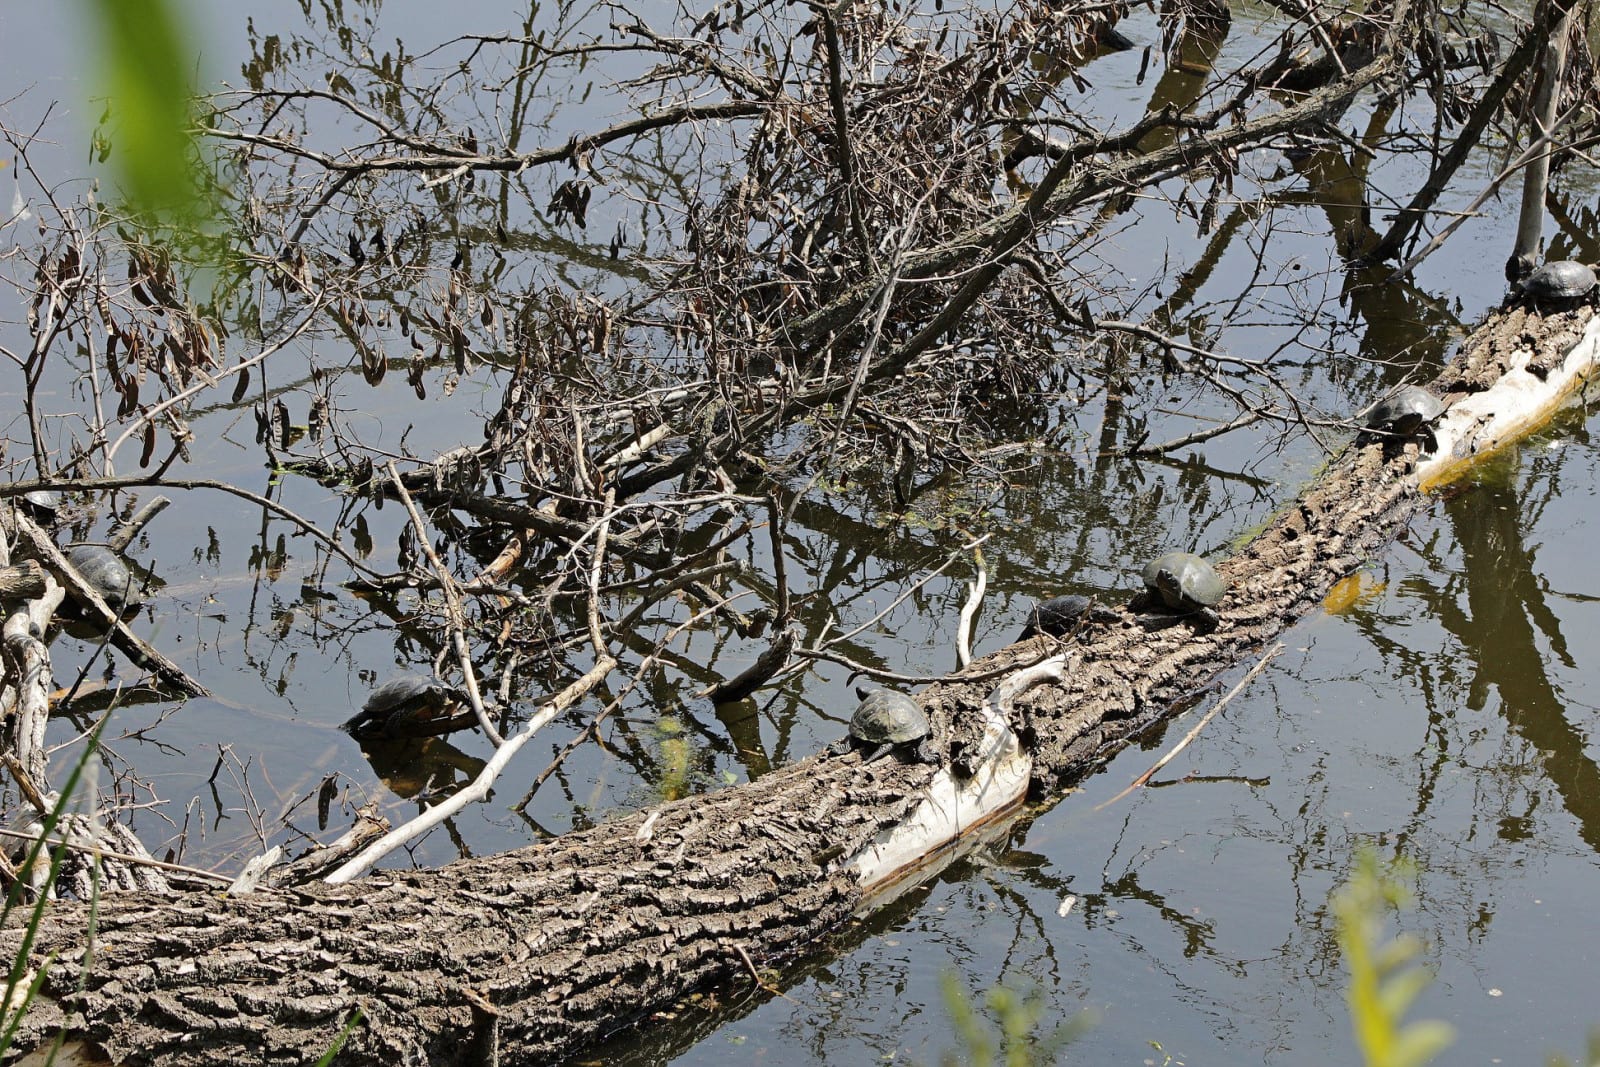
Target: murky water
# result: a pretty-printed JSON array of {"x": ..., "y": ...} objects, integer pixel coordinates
[{"x": 1443, "y": 717}]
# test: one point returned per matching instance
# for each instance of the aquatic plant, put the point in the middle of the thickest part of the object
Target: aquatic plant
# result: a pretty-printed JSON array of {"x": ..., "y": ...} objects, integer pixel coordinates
[{"x": 1384, "y": 980}]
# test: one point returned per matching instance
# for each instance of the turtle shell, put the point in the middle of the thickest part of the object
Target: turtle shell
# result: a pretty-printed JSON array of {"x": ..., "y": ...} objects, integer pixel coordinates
[
  {"x": 43, "y": 502},
  {"x": 107, "y": 574},
  {"x": 1403, "y": 412},
  {"x": 410, "y": 705},
  {"x": 1565, "y": 279},
  {"x": 1184, "y": 582},
  {"x": 887, "y": 717},
  {"x": 1056, "y": 616}
]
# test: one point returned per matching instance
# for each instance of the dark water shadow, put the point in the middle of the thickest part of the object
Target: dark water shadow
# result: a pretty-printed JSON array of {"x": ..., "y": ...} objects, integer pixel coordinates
[{"x": 1499, "y": 615}]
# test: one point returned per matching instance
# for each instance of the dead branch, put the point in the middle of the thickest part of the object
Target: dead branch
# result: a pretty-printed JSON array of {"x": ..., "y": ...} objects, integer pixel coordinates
[
  {"x": 131, "y": 645},
  {"x": 1172, "y": 752}
]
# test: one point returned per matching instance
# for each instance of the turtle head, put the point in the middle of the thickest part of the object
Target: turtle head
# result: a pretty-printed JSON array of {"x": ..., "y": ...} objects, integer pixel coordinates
[
  {"x": 1519, "y": 267},
  {"x": 1170, "y": 586}
]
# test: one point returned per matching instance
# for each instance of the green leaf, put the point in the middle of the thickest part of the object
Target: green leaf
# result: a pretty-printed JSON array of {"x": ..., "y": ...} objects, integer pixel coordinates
[
  {"x": 1420, "y": 1042},
  {"x": 1399, "y": 991},
  {"x": 146, "y": 66},
  {"x": 1384, "y": 982},
  {"x": 340, "y": 1039}
]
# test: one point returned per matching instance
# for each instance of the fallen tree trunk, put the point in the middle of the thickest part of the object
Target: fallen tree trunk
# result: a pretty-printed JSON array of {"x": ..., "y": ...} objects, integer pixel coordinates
[{"x": 540, "y": 951}]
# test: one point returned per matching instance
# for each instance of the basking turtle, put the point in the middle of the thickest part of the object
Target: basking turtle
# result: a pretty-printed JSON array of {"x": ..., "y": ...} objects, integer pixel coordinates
[
  {"x": 1058, "y": 616},
  {"x": 1560, "y": 284},
  {"x": 1186, "y": 585},
  {"x": 107, "y": 574},
  {"x": 1062, "y": 615},
  {"x": 411, "y": 705},
  {"x": 42, "y": 504},
  {"x": 1407, "y": 413},
  {"x": 887, "y": 720}
]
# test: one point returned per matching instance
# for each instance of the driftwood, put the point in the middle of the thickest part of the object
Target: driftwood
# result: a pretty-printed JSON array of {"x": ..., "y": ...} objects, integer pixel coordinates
[
  {"x": 24, "y": 581},
  {"x": 537, "y": 952}
]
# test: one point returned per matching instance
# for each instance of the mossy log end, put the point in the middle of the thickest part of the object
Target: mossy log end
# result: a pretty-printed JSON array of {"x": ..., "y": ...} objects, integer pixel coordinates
[{"x": 532, "y": 954}]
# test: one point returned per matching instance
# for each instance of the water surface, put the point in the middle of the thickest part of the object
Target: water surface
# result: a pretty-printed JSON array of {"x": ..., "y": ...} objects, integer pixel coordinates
[{"x": 1444, "y": 718}]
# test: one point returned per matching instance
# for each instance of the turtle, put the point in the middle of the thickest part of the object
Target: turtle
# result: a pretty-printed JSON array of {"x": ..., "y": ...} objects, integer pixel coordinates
[
  {"x": 1559, "y": 284},
  {"x": 1058, "y": 616},
  {"x": 1186, "y": 584},
  {"x": 107, "y": 574},
  {"x": 1407, "y": 413},
  {"x": 886, "y": 720},
  {"x": 1061, "y": 616},
  {"x": 411, "y": 705},
  {"x": 42, "y": 504}
]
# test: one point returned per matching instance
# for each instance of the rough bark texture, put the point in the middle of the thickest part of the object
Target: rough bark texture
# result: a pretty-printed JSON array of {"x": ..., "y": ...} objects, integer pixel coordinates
[
  {"x": 22, "y": 582},
  {"x": 1487, "y": 354},
  {"x": 539, "y": 951},
  {"x": 535, "y": 953}
]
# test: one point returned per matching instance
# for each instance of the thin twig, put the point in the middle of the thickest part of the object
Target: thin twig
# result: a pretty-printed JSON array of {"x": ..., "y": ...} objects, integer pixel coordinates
[
  {"x": 592, "y": 730},
  {"x": 133, "y": 646},
  {"x": 478, "y": 789},
  {"x": 120, "y": 857},
  {"x": 452, "y": 599},
  {"x": 1544, "y": 145},
  {"x": 780, "y": 571},
  {"x": 849, "y": 635},
  {"x": 755, "y": 976},
  {"x": 1199, "y": 436},
  {"x": 513, "y": 163},
  {"x": 602, "y": 536},
  {"x": 682, "y": 581},
  {"x": 123, "y": 535},
  {"x": 90, "y": 485},
  {"x": 1194, "y": 733},
  {"x": 209, "y": 381},
  {"x": 841, "y": 122}
]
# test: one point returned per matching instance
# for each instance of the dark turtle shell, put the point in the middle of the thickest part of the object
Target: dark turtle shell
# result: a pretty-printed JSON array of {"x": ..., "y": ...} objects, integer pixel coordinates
[
  {"x": 411, "y": 705},
  {"x": 1404, "y": 412},
  {"x": 1565, "y": 279},
  {"x": 885, "y": 717},
  {"x": 1057, "y": 616},
  {"x": 1184, "y": 582},
  {"x": 107, "y": 574}
]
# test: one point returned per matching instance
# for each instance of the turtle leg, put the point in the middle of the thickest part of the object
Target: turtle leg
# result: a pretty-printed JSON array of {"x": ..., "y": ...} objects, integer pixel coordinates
[
  {"x": 882, "y": 751},
  {"x": 1203, "y": 620},
  {"x": 1158, "y": 621},
  {"x": 1145, "y": 604}
]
